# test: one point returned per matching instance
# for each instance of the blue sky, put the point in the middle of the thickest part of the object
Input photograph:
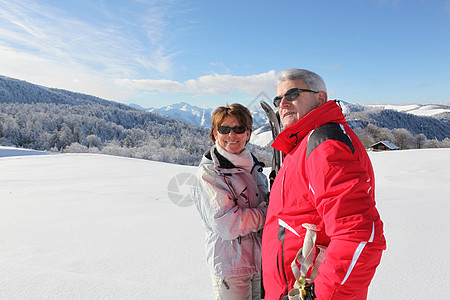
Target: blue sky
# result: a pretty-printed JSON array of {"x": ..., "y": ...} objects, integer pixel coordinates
[{"x": 209, "y": 52}]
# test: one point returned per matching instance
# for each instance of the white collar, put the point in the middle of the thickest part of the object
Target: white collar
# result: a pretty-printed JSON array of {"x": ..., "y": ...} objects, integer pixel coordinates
[{"x": 242, "y": 160}]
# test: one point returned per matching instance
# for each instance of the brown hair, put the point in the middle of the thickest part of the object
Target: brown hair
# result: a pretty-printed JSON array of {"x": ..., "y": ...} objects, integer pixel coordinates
[{"x": 235, "y": 110}]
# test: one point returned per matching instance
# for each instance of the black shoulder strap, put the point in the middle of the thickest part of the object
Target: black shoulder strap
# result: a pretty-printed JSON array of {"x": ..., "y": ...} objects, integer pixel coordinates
[
  {"x": 207, "y": 154},
  {"x": 329, "y": 131},
  {"x": 223, "y": 162},
  {"x": 257, "y": 163},
  {"x": 226, "y": 164}
]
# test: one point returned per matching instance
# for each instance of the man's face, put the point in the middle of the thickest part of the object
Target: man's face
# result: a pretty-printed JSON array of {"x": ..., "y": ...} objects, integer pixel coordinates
[{"x": 292, "y": 111}]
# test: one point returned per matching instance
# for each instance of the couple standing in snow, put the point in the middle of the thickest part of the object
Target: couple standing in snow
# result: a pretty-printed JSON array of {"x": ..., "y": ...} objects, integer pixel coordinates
[{"x": 322, "y": 212}]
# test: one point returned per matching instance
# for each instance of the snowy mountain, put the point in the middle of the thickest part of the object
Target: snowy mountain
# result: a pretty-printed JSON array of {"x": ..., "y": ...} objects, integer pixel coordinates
[
  {"x": 200, "y": 116},
  {"x": 40, "y": 118},
  {"x": 186, "y": 112},
  {"x": 430, "y": 110},
  {"x": 54, "y": 118},
  {"x": 18, "y": 91},
  {"x": 431, "y": 120},
  {"x": 91, "y": 226}
]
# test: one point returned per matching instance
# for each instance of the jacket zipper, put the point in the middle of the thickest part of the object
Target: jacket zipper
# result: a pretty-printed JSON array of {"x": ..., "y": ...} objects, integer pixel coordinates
[
  {"x": 282, "y": 270},
  {"x": 281, "y": 235}
]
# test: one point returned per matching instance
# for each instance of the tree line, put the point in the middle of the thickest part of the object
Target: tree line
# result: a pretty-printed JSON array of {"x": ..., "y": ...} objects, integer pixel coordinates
[
  {"x": 56, "y": 120},
  {"x": 401, "y": 137},
  {"x": 94, "y": 128},
  {"x": 407, "y": 131},
  {"x": 101, "y": 129}
]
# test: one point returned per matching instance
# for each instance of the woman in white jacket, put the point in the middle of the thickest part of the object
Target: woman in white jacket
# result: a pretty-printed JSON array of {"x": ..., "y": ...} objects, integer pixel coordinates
[{"x": 230, "y": 196}]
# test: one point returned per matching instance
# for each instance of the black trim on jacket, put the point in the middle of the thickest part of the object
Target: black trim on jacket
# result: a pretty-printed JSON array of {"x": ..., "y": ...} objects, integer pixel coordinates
[
  {"x": 226, "y": 164},
  {"x": 329, "y": 131}
]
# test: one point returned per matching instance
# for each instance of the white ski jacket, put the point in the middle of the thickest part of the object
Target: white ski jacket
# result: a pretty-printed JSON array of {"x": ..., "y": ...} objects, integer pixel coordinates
[{"x": 228, "y": 199}]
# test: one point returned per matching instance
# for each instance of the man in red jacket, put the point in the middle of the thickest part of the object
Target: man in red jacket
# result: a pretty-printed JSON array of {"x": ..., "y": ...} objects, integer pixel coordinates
[{"x": 325, "y": 189}]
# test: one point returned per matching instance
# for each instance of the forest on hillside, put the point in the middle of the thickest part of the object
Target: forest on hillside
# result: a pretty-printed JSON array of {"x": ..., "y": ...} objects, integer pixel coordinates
[
  {"x": 100, "y": 129},
  {"x": 40, "y": 118},
  {"x": 407, "y": 131}
]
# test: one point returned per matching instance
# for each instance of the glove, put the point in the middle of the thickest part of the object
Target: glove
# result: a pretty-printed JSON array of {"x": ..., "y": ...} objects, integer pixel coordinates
[
  {"x": 302, "y": 293},
  {"x": 310, "y": 295}
]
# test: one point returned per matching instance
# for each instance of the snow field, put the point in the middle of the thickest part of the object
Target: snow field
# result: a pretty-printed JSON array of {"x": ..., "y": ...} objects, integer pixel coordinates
[{"x": 89, "y": 226}]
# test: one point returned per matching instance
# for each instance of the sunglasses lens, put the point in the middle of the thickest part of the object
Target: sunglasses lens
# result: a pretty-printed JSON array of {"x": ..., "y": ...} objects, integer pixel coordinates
[
  {"x": 239, "y": 129},
  {"x": 227, "y": 129},
  {"x": 277, "y": 101},
  {"x": 292, "y": 94},
  {"x": 224, "y": 129}
]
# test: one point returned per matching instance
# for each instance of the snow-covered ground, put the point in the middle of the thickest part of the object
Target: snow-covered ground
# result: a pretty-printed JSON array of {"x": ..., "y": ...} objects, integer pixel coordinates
[
  {"x": 261, "y": 138},
  {"x": 426, "y": 110},
  {"x": 86, "y": 226}
]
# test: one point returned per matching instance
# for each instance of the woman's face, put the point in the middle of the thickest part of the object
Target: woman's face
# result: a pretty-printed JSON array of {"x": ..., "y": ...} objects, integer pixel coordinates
[{"x": 232, "y": 142}]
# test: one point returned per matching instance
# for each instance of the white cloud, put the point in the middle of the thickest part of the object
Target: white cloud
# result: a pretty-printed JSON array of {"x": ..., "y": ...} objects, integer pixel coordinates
[
  {"x": 62, "y": 75},
  {"x": 60, "y": 41},
  {"x": 213, "y": 84},
  {"x": 162, "y": 85},
  {"x": 89, "y": 49}
]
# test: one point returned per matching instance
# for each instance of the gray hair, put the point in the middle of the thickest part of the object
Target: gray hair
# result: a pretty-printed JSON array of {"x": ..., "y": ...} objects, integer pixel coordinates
[{"x": 311, "y": 79}]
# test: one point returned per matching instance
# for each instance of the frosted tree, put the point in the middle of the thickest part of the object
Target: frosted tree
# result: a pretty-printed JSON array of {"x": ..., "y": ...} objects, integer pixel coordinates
[
  {"x": 385, "y": 134},
  {"x": 403, "y": 138},
  {"x": 93, "y": 141},
  {"x": 420, "y": 141}
]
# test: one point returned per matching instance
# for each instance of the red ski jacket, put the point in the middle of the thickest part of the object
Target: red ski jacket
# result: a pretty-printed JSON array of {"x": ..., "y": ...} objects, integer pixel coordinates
[{"x": 327, "y": 180}]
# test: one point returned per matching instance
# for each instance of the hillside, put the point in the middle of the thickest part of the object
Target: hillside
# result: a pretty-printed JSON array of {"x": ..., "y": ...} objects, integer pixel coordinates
[
  {"x": 430, "y": 110},
  {"x": 186, "y": 112},
  {"x": 41, "y": 118},
  {"x": 200, "y": 116},
  {"x": 431, "y": 120},
  {"x": 19, "y": 91},
  {"x": 419, "y": 122}
]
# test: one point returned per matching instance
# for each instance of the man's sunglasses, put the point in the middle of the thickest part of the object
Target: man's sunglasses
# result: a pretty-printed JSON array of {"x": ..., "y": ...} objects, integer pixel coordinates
[
  {"x": 290, "y": 95},
  {"x": 236, "y": 129}
]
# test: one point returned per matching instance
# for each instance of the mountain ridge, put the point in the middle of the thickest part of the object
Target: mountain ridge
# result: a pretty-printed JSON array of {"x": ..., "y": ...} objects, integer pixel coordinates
[
  {"x": 429, "y": 121},
  {"x": 432, "y": 120}
]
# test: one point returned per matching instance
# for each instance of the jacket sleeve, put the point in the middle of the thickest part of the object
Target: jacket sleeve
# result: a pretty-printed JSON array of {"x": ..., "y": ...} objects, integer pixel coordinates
[
  {"x": 220, "y": 213},
  {"x": 341, "y": 189}
]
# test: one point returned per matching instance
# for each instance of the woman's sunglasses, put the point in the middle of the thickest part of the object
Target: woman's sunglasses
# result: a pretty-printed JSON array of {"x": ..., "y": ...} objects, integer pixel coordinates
[
  {"x": 290, "y": 95},
  {"x": 236, "y": 129}
]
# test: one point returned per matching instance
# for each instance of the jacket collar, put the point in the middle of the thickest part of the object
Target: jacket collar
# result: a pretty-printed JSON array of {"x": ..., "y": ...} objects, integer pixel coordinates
[
  {"x": 292, "y": 135},
  {"x": 220, "y": 162}
]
